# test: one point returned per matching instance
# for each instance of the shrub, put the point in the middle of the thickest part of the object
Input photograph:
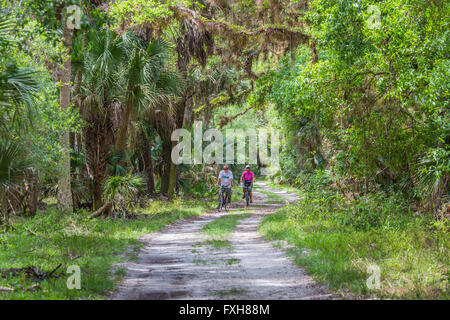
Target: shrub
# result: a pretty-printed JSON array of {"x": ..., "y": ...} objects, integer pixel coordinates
[{"x": 122, "y": 191}]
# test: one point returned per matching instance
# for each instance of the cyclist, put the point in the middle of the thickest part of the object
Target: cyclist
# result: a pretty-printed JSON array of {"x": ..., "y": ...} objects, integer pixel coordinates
[
  {"x": 226, "y": 181},
  {"x": 248, "y": 177}
]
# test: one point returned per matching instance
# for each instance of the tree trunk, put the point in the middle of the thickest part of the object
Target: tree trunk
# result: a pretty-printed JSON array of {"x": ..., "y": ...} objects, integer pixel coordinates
[
  {"x": 179, "y": 118},
  {"x": 315, "y": 57},
  {"x": 32, "y": 186},
  {"x": 150, "y": 177},
  {"x": 97, "y": 140},
  {"x": 97, "y": 192},
  {"x": 165, "y": 177},
  {"x": 148, "y": 165},
  {"x": 122, "y": 134},
  {"x": 311, "y": 153},
  {"x": 64, "y": 188},
  {"x": 188, "y": 114},
  {"x": 172, "y": 177},
  {"x": 4, "y": 218}
]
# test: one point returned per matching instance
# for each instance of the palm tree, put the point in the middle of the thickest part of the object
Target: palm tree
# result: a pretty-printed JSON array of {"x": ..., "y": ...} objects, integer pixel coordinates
[
  {"x": 17, "y": 89},
  {"x": 146, "y": 80},
  {"x": 121, "y": 78},
  {"x": 17, "y": 85},
  {"x": 95, "y": 98},
  {"x": 64, "y": 185},
  {"x": 12, "y": 167}
]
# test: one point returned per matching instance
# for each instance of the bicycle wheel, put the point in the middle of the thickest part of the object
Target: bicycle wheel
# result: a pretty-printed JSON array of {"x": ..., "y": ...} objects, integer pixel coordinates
[
  {"x": 247, "y": 198},
  {"x": 227, "y": 201},
  {"x": 219, "y": 208}
]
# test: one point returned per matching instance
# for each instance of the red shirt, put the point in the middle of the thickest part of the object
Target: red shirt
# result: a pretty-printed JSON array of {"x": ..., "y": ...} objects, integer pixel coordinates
[{"x": 248, "y": 175}]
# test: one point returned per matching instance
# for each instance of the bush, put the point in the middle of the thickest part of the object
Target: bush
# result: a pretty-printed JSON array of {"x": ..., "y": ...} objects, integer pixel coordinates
[{"x": 122, "y": 191}]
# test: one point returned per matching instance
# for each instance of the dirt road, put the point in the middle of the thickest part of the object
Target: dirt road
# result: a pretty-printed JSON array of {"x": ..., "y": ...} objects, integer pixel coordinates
[{"x": 179, "y": 263}]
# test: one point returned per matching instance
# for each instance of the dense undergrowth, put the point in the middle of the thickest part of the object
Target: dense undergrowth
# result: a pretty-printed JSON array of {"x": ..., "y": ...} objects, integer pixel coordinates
[{"x": 342, "y": 243}]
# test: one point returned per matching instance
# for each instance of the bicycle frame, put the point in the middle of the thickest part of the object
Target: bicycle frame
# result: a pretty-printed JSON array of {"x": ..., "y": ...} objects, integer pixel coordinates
[
  {"x": 247, "y": 194},
  {"x": 224, "y": 198}
]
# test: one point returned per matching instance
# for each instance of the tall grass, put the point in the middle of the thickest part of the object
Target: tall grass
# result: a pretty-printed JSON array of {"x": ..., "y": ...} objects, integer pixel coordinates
[
  {"x": 50, "y": 239},
  {"x": 339, "y": 241}
]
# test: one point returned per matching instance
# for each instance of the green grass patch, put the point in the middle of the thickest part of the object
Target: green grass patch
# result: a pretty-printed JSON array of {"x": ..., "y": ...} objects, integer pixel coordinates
[
  {"x": 282, "y": 186},
  {"x": 51, "y": 238},
  {"x": 218, "y": 244},
  {"x": 272, "y": 197},
  {"x": 223, "y": 226},
  {"x": 200, "y": 262},
  {"x": 233, "y": 261},
  {"x": 230, "y": 292}
]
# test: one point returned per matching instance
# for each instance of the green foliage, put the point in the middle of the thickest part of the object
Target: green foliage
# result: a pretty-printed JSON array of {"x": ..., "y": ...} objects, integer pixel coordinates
[
  {"x": 375, "y": 105},
  {"x": 338, "y": 240},
  {"x": 31, "y": 120},
  {"x": 93, "y": 244},
  {"x": 127, "y": 186},
  {"x": 122, "y": 191},
  {"x": 137, "y": 12},
  {"x": 12, "y": 167}
]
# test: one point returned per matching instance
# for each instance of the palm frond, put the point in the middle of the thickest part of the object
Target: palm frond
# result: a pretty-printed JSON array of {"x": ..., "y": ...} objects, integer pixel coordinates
[
  {"x": 6, "y": 27},
  {"x": 12, "y": 165},
  {"x": 18, "y": 85}
]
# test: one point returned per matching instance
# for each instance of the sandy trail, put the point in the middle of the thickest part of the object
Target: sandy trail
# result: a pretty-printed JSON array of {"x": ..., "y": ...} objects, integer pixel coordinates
[{"x": 177, "y": 263}]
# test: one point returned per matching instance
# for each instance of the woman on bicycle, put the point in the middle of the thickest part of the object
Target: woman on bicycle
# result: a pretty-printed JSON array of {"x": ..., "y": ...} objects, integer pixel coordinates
[{"x": 248, "y": 177}]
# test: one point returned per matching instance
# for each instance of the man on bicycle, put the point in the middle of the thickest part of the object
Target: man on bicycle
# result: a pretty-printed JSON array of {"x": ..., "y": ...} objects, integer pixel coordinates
[
  {"x": 226, "y": 181},
  {"x": 248, "y": 177}
]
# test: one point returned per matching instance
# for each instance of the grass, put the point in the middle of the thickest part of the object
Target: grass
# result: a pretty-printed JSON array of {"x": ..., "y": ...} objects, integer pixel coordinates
[
  {"x": 50, "y": 239},
  {"x": 233, "y": 261},
  {"x": 220, "y": 229},
  {"x": 200, "y": 262},
  {"x": 230, "y": 292},
  {"x": 218, "y": 244},
  {"x": 224, "y": 226},
  {"x": 281, "y": 186},
  {"x": 272, "y": 197},
  {"x": 338, "y": 246}
]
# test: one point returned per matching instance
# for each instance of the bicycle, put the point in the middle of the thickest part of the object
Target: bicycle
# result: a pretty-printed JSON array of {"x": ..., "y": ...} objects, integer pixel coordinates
[
  {"x": 246, "y": 185},
  {"x": 224, "y": 198}
]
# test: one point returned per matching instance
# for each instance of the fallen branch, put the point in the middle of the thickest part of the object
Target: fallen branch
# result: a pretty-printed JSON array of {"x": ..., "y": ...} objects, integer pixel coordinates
[
  {"x": 53, "y": 271},
  {"x": 32, "y": 287},
  {"x": 224, "y": 120},
  {"x": 31, "y": 272},
  {"x": 6, "y": 289},
  {"x": 107, "y": 206},
  {"x": 29, "y": 288}
]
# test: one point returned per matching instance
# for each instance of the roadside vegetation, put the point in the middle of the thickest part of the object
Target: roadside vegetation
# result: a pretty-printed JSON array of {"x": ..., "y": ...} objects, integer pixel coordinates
[
  {"x": 339, "y": 242},
  {"x": 50, "y": 239}
]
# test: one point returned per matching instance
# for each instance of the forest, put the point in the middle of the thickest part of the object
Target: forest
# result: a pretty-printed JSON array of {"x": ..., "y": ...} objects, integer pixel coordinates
[{"x": 92, "y": 91}]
